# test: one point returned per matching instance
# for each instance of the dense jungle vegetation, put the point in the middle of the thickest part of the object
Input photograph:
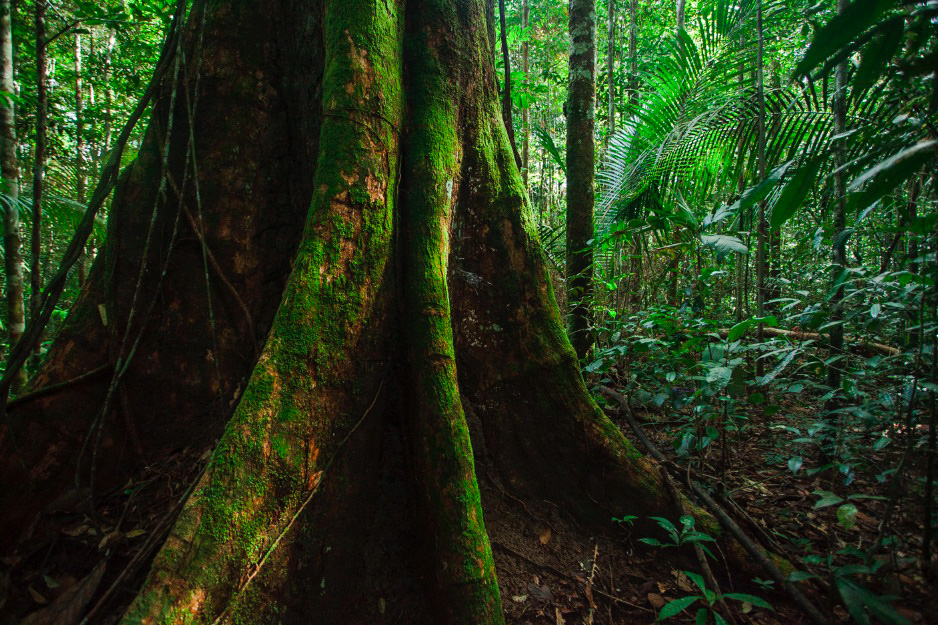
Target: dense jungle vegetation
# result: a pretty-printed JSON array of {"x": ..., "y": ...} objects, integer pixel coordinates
[{"x": 736, "y": 205}]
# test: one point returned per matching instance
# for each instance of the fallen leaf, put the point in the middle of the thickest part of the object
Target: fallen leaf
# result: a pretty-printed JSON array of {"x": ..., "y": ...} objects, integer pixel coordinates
[
  {"x": 656, "y": 600},
  {"x": 70, "y": 606},
  {"x": 135, "y": 533},
  {"x": 682, "y": 581},
  {"x": 76, "y": 531},
  {"x": 558, "y": 617},
  {"x": 37, "y": 597},
  {"x": 545, "y": 536},
  {"x": 541, "y": 593},
  {"x": 50, "y": 582},
  {"x": 382, "y": 605},
  {"x": 519, "y": 598}
]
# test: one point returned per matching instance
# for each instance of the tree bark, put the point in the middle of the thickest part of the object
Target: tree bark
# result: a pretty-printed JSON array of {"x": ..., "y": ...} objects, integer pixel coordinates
[
  {"x": 679, "y": 11},
  {"x": 506, "y": 90},
  {"x": 39, "y": 156},
  {"x": 81, "y": 175},
  {"x": 760, "y": 218},
  {"x": 838, "y": 260},
  {"x": 610, "y": 68},
  {"x": 525, "y": 111},
  {"x": 417, "y": 239},
  {"x": 633, "y": 52},
  {"x": 12, "y": 242},
  {"x": 581, "y": 115}
]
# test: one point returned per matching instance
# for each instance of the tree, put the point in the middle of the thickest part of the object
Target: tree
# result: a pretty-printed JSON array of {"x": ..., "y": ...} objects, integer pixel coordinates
[
  {"x": 581, "y": 149},
  {"x": 218, "y": 257},
  {"x": 12, "y": 242}
]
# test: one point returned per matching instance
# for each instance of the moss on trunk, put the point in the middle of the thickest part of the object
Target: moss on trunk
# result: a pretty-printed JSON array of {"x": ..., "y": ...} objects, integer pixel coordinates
[{"x": 455, "y": 280}]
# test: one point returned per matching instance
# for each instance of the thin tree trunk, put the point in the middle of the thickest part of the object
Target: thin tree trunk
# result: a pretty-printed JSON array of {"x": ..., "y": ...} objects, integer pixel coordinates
[
  {"x": 633, "y": 52},
  {"x": 680, "y": 15},
  {"x": 81, "y": 176},
  {"x": 610, "y": 68},
  {"x": 526, "y": 110},
  {"x": 108, "y": 89},
  {"x": 761, "y": 224},
  {"x": 839, "y": 251},
  {"x": 506, "y": 91},
  {"x": 13, "y": 261},
  {"x": 39, "y": 160},
  {"x": 580, "y": 165}
]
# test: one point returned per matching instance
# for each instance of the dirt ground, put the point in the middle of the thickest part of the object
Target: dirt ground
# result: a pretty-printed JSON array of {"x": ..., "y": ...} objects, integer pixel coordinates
[{"x": 550, "y": 569}]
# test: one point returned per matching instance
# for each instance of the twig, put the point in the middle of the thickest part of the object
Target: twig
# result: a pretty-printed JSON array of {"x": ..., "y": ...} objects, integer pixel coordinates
[
  {"x": 299, "y": 511},
  {"x": 747, "y": 543},
  {"x": 54, "y": 388},
  {"x": 567, "y": 576},
  {"x": 53, "y": 291},
  {"x": 151, "y": 541}
]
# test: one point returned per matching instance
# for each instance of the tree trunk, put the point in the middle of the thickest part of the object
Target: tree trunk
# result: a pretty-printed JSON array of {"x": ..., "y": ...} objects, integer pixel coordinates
[
  {"x": 39, "y": 157},
  {"x": 581, "y": 115},
  {"x": 839, "y": 250},
  {"x": 417, "y": 239},
  {"x": 12, "y": 242},
  {"x": 633, "y": 52},
  {"x": 506, "y": 91},
  {"x": 761, "y": 222},
  {"x": 81, "y": 175},
  {"x": 679, "y": 10},
  {"x": 525, "y": 111},
  {"x": 610, "y": 68}
]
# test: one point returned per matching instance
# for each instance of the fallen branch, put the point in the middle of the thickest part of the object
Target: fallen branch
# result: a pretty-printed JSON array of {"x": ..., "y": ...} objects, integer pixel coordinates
[
  {"x": 856, "y": 342},
  {"x": 744, "y": 540}
]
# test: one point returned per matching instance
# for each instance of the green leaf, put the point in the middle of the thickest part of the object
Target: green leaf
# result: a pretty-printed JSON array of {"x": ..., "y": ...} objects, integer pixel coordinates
[
  {"x": 719, "y": 376},
  {"x": 697, "y": 579},
  {"x": 795, "y": 463},
  {"x": 847, "y": 516},
  {"x": 795, "y": 192},
  {"x": 757, "y": 193},
  {"x": 840, "y": 31},
  {"x": 800, "y": 576},
  {"x": 724, "y": 244},
  {"x": 889, "y": 174},
  {"x": 827, "y": 498},
  {"x": 676, "y": 607},
  {"x": 754, "y": 600},
  {"x": 858, "y": 599},
  {"x": 739, "y": 329},
  {"x": 877, "y": 54},
  {"x": 701, "y": 618}
]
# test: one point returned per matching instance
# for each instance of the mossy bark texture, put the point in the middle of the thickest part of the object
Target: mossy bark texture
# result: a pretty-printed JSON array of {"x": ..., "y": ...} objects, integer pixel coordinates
[
  {"x": 581, "y": 147},
  {"x": 418, "y": 287}
]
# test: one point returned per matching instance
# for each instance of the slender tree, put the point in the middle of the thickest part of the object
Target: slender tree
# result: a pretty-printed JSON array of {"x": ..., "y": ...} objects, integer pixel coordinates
[
  {"x": 39, "y": 156},
  {"x": 839, "y": 248},
  {"x": 679, "y": 10},
  {"x": 611, "y": 67},
  {"x": 506, "y": 88},
  {"x": 760, "y": 218},
  {"x": 12, "y": 243},
  {"x": 633, "y": 52},
  {"x": 526, "y": 110},
  {"x": 581, "y": 114}
]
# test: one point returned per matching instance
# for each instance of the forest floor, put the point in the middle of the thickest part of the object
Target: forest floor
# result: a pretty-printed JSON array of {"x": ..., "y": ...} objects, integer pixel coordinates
[{"x": 550, "y": 569}]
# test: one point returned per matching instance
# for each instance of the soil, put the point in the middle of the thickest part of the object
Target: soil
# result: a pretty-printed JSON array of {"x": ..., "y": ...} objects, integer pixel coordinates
[{"x": 551, "y": 570}]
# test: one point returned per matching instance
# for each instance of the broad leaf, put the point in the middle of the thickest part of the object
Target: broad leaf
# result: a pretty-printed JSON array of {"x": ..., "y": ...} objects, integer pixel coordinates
[
  {"x": 795, "y": 192},
  {"x": 840, "y": 31},
  {"x": 676, "y": 607}
]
